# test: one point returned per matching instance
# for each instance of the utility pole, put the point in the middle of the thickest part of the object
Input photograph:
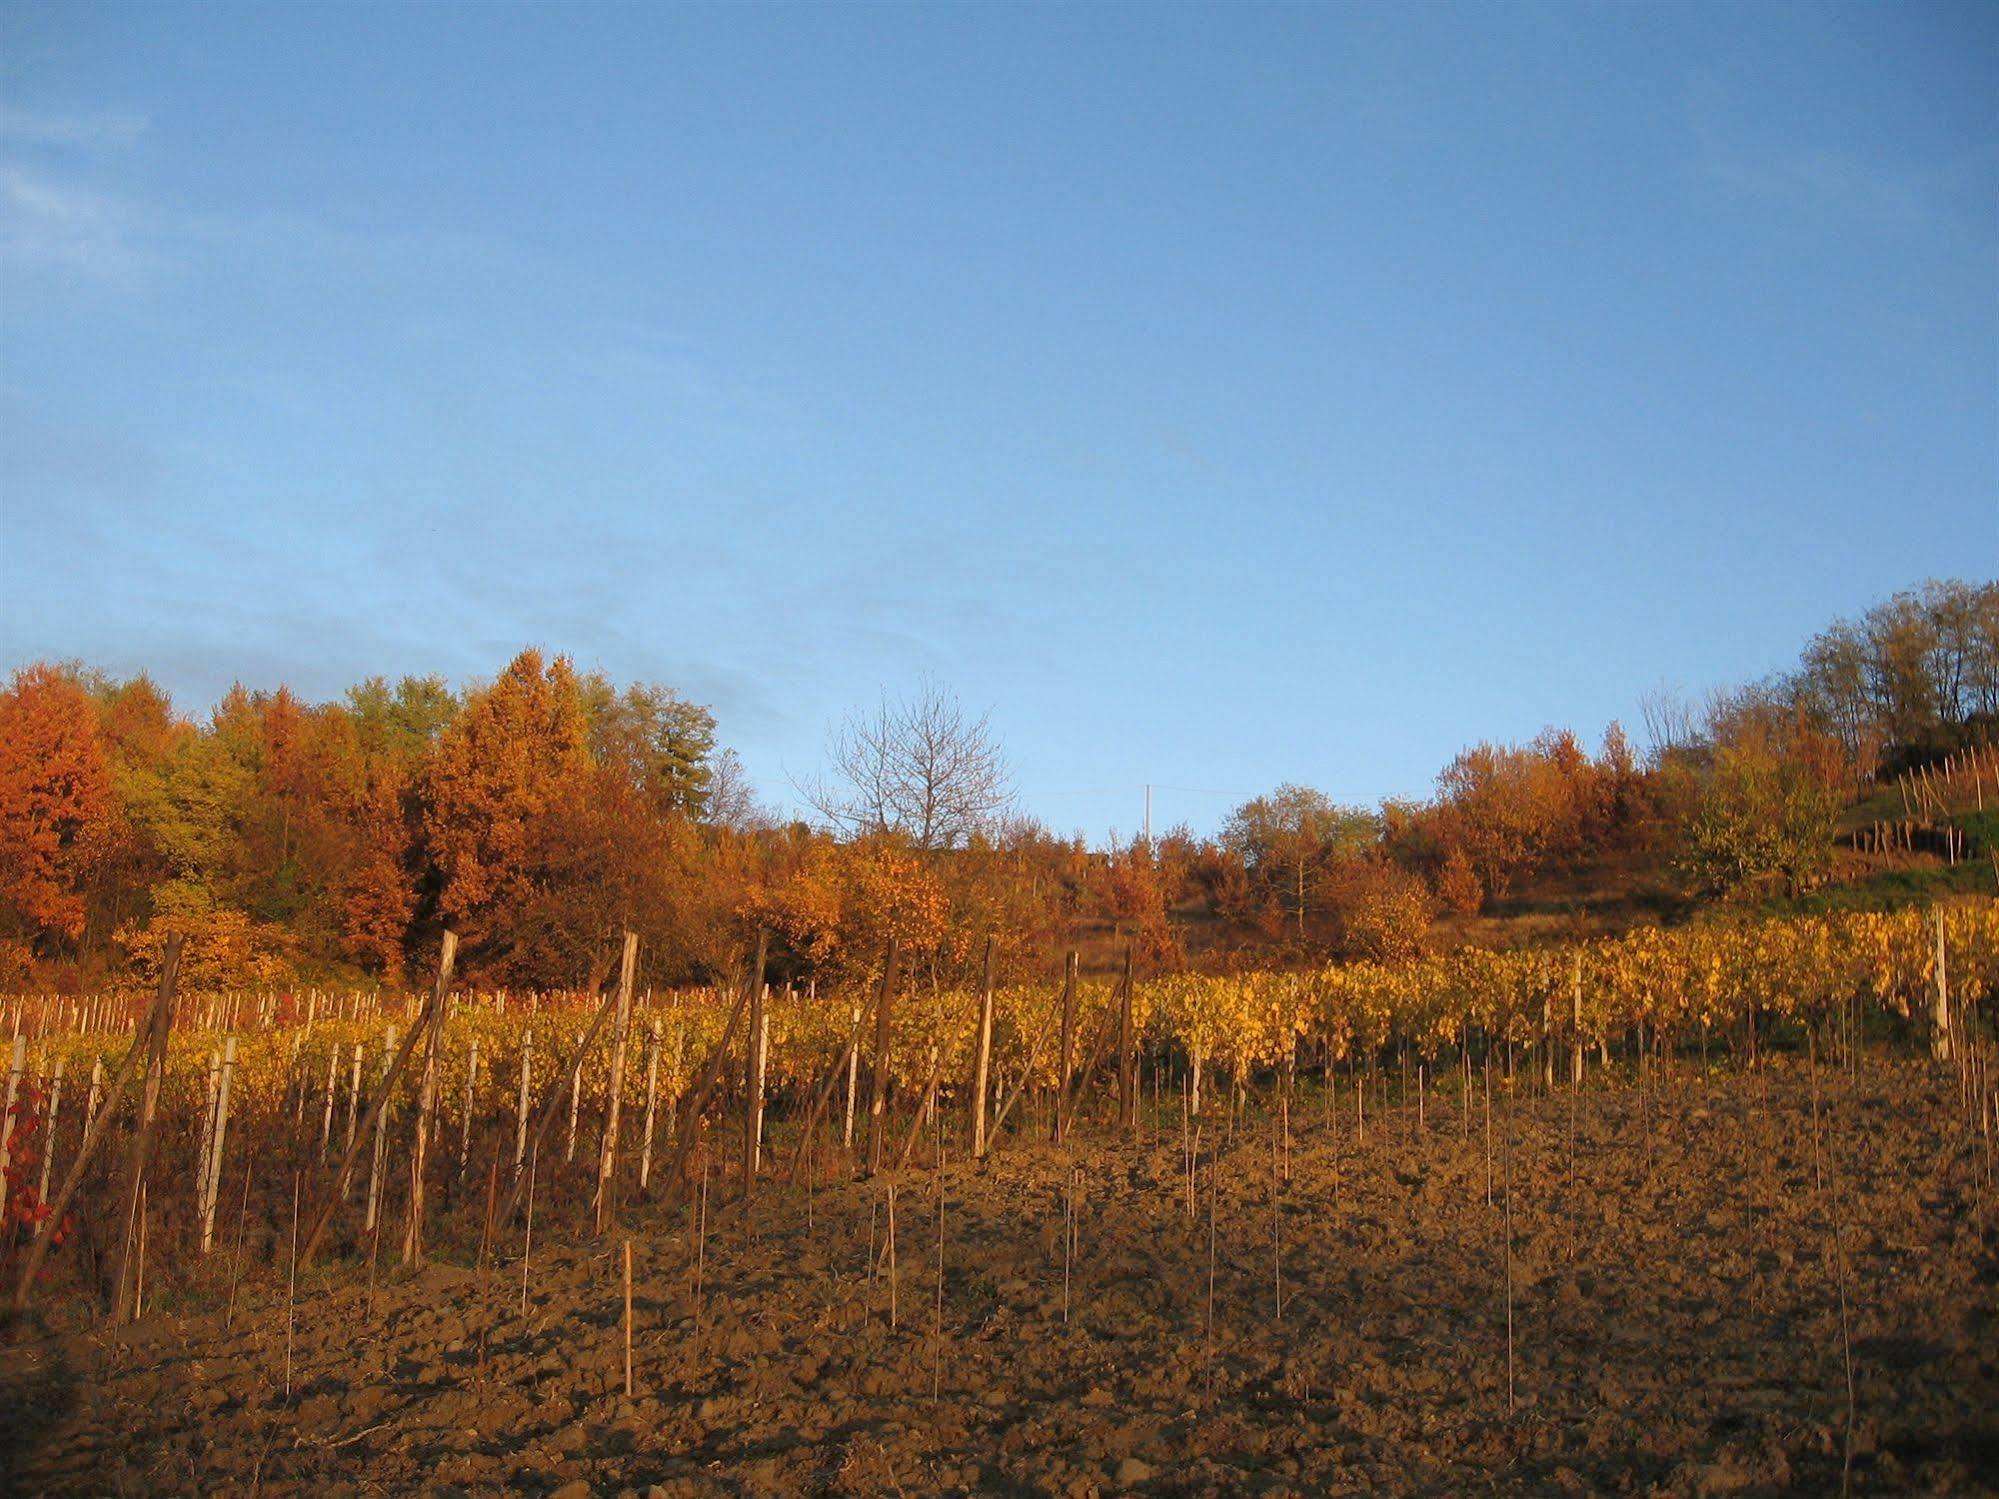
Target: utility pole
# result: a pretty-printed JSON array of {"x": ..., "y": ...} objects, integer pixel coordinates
[{"x": 1148, "y": 817}]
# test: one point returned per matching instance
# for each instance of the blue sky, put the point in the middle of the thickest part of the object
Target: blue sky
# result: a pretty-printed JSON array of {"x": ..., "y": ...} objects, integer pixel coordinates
[{"x": 1223, "y": 395}]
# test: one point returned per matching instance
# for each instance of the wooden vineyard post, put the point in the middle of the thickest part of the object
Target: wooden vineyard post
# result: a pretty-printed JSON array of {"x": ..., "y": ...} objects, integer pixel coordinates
[
  {"x": 131, "y": 1224},
  {"x": 983, "y": 1059},
  {"x": 242, "y": 1226},
  {"x": 1940, "y": 1037},
  {"x": 607, "y": 1155},
  {"x": 521, "y": 1113},
  {"x": 15, "y": 1067},
  {"x": 628, "y": 1318},
  {"x": 853, "y": 1078},
  {"x": 909, "y": 1141},
  {"x": 1548, "y": 1042},
  {"x": 1094, "y": 1058},
  {"x": 381, "y": 1118},
  {"x": 49, "y": 1146},
  {"x": 471, "y": 1089},
  {"x": 95, "y": 1123},
  {"x": 1026, "y": 1074},
  {"x": 1067, "y": 1064},
  {"x": 818, "y": 1107},
  {"x": 1576, "y": 1023},
  {"x": 291, "y": 1288},
  {"x": 1506, "y": 1226},
  {"x": 761, "y": 1040},
  {"x": 207, "y": 1135},
  {"x": 574, "y": 1093},
  {"x": 371, "y": 1123},
  {"x": 878, "y": 1086},
  {"x": 753, "y": 1083},
  {"x": 711, "y": 1070},
  {"x": 212, "y": 1189},
  {"x": 332, "y": 1087},
  {"x": 353, "y": 1098},
  {"x": 426, "y": 1105},
  {"x": 676, "y": 1059},
  {"x": 1127, "y": 1077},
  {"x": 652, "y": 1103}
]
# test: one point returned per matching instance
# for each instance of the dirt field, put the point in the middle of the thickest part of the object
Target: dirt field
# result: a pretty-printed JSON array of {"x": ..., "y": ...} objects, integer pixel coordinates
[{"x": 1676, "y": 1313}]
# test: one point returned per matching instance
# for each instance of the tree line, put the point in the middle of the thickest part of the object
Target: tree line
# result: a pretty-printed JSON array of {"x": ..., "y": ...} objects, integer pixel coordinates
[{"x": 288, "y": 841}]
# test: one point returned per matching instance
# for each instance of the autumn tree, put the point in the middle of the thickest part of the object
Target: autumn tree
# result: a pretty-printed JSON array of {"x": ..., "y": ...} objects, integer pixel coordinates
[
  {"x": 402, "y": 722},
  {"x": 1514, "y": 809},
  {"x": 1133, "y": 898},
  {"x": 1286, "y": 839},
  {"x": 730, "y": 801},
  {"x": 1766, "y": 800},
  {"x": 141, "y": 732},
  {"x": 507, "y": 771},
  {"x": 918, "y": 768},
  {"x": 378, "y": 897},
  {"x": 1458, "y": 887},
  {"x": 657, "y": 741},
  {"x": 1381, "y": 910},
  {"x": 55, "y": 791},
  {"x": 395, "y": 729},
  {"x": 1914, "y": 677}
]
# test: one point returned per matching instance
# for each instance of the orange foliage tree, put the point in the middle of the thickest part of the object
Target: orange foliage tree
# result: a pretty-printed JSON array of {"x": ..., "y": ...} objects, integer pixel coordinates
[
  {"x": 508, "y": 772},
  {"x": 55, "y": 792}
]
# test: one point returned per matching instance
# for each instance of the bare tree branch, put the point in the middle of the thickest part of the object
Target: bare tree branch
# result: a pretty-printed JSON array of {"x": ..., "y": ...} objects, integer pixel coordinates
[{"x": 917, "y": 767}]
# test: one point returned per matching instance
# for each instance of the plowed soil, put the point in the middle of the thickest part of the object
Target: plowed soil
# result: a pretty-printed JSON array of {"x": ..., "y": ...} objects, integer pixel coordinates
[{"x": 1688, "y": 1274}]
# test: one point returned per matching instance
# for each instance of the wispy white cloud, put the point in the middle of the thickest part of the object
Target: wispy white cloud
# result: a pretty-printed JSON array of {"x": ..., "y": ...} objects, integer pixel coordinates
[
  {"x": 85, "y": 130},
  {"x": 1803, "y": 175},
  {"x": 51, "y": 222},
  {"x": 51, "y": 225}
]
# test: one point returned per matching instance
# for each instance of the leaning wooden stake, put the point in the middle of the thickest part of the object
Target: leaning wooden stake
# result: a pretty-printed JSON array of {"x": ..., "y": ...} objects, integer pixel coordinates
[
  {"x": 878, "y": 1086},
  {"x": 571, "y": 1078},
  {"x": 1576, "y": 1024},
  {"x": 426, "y": 1116},
  {"x": 1027, "y": 1072},
  {"x": 891, "y": 1256},
  {"x": 812, "y": 1115},
  {"x": 628, "y": 1320},
  {"x": 753, "y": 1084},
  {"x": 652, "y": 1105},
  {"x": 853, "y": 1077},
  {"x": 521, "y": 1109},
  {"x": 242, "y": 1227},
  {"x": 527, "y": 1237},
  {"x": 332, "y": 1087},
  {"x": 1507, "y": 1226},
  {"x": 923, "y": 1109},
  {"x": 711, "y": 1071},
  {"x": 16, "y": 1066},
  {"x": 1127, "y": 1075},
  {"x": 983, "y": 1058},
  {"x": 1940, "y": 1037},
  {"x": 1068, "y": 1060},
  {"x": 49, "y": 1143},
  {"x": 323, "y": 1220},
  {"x": 137, "y": 1156},
  {"x": 214, "y": 1186},
  {"x": 207, "y": 1137},
  {"x": 157, "y": 1019},
  {"x": 607, "y": 1156},
  {"x": 471, "y": 1088},
  {"x": 291, "y": 1291}
]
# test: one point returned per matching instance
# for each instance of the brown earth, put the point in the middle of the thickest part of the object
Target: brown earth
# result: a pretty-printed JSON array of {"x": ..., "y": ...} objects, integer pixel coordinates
[{"x": 1676, "y": 1310}]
